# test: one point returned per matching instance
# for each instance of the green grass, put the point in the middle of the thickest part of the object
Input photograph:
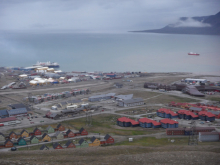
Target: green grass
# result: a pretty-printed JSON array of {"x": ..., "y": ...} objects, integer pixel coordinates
[
  {"x": 213, "y": 98},
  {"x": 103, "y": 124},
  {"x": 153, "y": 142},
  {"x": 164, "y": 99}
]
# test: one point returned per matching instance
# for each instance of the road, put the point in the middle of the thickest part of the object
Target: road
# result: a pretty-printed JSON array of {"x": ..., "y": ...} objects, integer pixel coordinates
[{"x": 49, "y": 88}]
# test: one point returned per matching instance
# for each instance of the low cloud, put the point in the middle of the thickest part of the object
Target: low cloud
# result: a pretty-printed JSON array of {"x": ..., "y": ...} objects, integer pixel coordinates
[{"x": 189, "y": 22}]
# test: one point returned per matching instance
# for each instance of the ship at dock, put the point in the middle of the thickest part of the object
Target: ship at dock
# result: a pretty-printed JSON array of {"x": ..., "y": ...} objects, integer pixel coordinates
[
  {"x": 47, "y": 64},
  {"x": 195, "y": 54}
]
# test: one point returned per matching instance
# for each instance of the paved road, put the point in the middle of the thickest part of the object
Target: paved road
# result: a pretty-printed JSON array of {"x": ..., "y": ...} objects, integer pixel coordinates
[{"x": 50, "y": 88}]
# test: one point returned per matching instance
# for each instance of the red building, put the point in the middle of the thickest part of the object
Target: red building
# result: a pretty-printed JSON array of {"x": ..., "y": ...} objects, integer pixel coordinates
[
  {"x": 70, "y": 144},
  {"x": 60, "y": 127},
  {"x": 37, "y": 131},
  {"x": 83, "y": 132},
  {"x": 8, "y": 143},
  {"x": 13, "y": 135},
  {"x": 57, "y": 146},
  {"x": 69, "y": 134},
  {"x": 109, "y": 139}
]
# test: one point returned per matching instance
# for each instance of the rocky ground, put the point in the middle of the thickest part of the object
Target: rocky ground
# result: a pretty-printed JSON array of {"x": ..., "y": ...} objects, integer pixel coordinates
[{"x": 123, "y": 155}]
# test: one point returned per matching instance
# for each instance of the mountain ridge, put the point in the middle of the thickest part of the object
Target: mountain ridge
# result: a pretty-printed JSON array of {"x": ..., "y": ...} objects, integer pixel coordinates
[{"x": 206, "y": 25}]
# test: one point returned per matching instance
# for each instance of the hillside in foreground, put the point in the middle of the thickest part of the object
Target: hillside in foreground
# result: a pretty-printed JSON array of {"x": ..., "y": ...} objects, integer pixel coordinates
[{"x": 183, "y": 154}]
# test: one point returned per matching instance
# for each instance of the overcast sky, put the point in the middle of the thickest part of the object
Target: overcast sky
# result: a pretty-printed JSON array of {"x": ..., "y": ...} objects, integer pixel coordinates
[{"x": 99, "y": 15}]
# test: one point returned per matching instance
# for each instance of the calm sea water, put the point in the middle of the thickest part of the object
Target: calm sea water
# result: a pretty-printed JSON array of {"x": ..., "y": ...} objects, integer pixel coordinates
[{"x": 146, "y": 52}]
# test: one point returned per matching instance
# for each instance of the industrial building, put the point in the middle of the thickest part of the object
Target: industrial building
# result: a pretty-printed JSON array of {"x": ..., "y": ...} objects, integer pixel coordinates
[
  {"x": 209, "y": 136},
  {"x": 100, "y": 97},
  {"x": 192, "y": 80},
  {"x": 131, "y": 102}
]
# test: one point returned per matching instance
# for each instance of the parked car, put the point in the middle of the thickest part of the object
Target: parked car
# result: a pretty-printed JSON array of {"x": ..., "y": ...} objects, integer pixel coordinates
[{"x": 13, "y": 148}]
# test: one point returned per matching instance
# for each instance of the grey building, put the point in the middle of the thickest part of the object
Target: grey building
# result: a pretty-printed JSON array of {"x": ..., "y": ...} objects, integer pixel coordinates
[
  {"x": 100, "y": 97},
  {"x": 124, "y": 97},
  {"x": 208, "y": 136},
  {"x": 15, "y": 112},
  {"x": 131, "y": 102}
]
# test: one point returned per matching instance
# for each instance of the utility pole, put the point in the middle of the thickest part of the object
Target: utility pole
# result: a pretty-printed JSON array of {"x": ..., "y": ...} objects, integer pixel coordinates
[
  {"x": 89, "y": 118},
  {"x": 193, "y": 139}
]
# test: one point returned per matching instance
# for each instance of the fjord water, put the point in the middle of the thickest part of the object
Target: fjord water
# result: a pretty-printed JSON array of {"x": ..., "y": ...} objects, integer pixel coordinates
[{"x": 146, "y": 52}]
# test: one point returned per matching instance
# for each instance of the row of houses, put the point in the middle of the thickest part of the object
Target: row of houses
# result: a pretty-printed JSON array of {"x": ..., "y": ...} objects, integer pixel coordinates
[
  {"x": 25, "y": 137},
  {"x": 53, "y": 96},
  {"x": 36, "y": 132},
  {"x": 195, "y": 107},
  {"x": 147, "y": 123},
  {"x": 186, "y": 114},
  {"x": 94, "y": 142},
  {"x": 69, "y": 144}
]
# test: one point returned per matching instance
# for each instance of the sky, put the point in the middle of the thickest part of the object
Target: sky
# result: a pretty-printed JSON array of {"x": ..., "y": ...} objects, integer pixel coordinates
[{"x": 100, "y": 15}]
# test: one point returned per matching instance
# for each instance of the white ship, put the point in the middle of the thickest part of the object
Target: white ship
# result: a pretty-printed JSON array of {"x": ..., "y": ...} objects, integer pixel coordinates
[{"x": 47, "y": 64}]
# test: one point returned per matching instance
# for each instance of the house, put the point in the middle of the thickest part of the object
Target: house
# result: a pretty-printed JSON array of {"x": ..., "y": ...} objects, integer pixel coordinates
[
  {"x": 13, "y": 135},
  {"x": 166, "y": 113},
  {"x": 54, "y": 116},
  {"x": 69, "y": 133},
  {"x": 83, "y": 131},
  {"x": 59, "y": 135},
  {"x": 131, "y": 102},
  {"x": 44, "y": 147},
  {"x": 108, "y": 139},
  {"x": 168, "y": 123},
  {"x": 21, "y": 141},
  {"x": 206, "y": 116},
  {"x": 60, "y": 127},
  {"x": 34, "y": 140},
  {"x": 50, "y": 129},
  {"x": 94, "y": 142},
  {"x": 8, "y": 143},
  {"x": 24, "y": 133},
  {"x": 46, "y": 137},
  {"x": 37, "y": 131},
  {"x": 70, "y": 144},
  {"x": 2, "y": 137},
  {"x": 82, "y": 144},
  {"x": 57, "y": 146},
  {"x": 126, "y": 122}
]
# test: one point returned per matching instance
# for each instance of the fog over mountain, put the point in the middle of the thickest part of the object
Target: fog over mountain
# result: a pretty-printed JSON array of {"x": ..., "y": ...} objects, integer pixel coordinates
[{"x": 207, "y": 25}]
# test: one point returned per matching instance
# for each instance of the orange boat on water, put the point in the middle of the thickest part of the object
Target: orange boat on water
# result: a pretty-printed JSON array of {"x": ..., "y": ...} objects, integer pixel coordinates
[{"x": 191, "y": 53}]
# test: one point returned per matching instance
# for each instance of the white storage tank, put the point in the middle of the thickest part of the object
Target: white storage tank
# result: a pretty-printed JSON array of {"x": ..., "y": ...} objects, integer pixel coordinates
[{"x": 209, "y": 136}]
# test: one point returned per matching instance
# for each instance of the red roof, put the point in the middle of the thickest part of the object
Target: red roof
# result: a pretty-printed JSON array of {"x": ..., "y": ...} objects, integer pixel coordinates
[
  {"x": 167, "y": 111},
  {"x": 146, "y": 120},
  {"x": 208, "y": 114},
  {"x": 169, "y": 121},
  {"x": 186, "y": 112},
  {"x": 7, "y": 119}
]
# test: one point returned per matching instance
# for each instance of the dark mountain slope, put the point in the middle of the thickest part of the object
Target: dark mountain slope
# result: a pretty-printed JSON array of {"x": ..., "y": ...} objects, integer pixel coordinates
[{"x": 206, "y": 25}]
